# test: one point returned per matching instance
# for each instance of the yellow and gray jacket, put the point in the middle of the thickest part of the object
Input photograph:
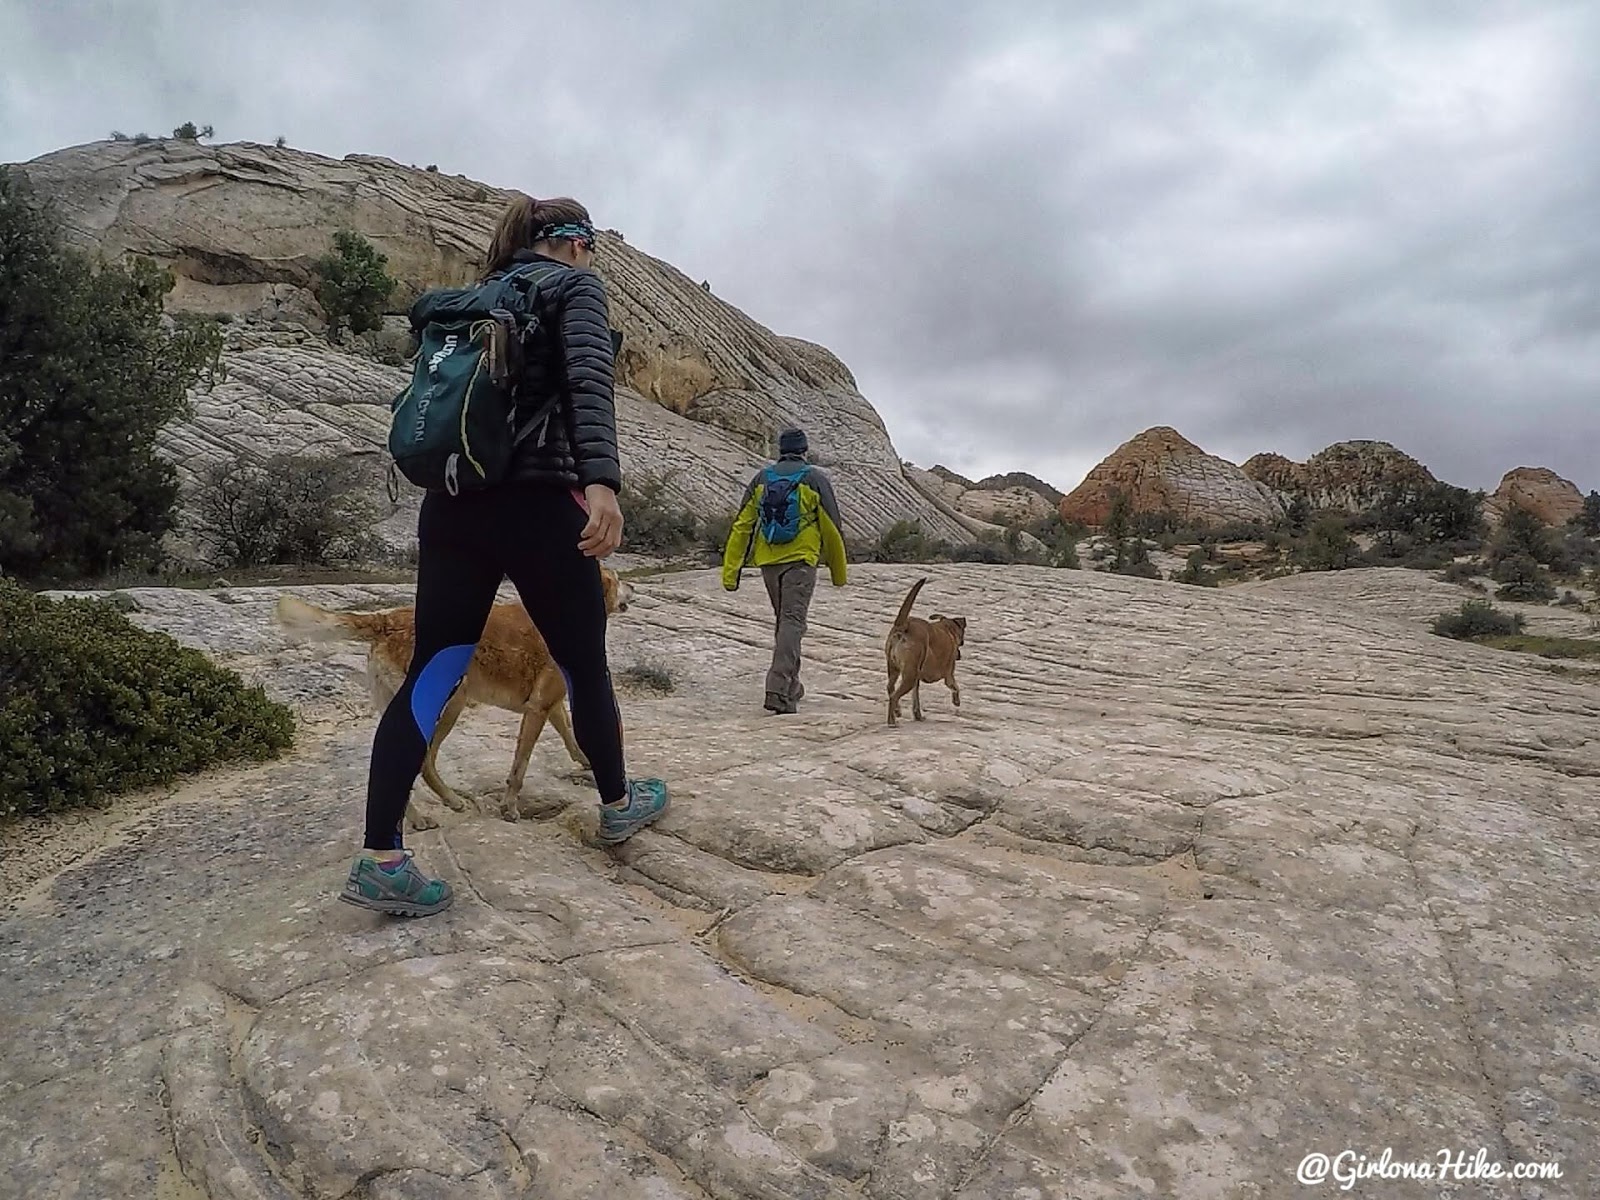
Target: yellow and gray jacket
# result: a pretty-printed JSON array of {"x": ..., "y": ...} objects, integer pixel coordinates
[{"x": 818, "y": 541}]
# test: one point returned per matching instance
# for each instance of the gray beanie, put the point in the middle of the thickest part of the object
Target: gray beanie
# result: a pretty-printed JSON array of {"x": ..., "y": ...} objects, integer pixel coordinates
[{"x": 793, "y": 441}]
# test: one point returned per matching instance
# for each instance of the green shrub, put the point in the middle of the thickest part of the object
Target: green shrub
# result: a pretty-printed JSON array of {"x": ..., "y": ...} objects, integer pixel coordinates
[
  {"x": 1154, "y": 524},
  {"x": 1119, "y": 518},
  {"x": 1588, "y": 521},
  {"x": 1521, "y": 534},
  {"x": 284, "y": 511},
  {"x": 1060, "y": 540},
  {"x": 353, "y": 284},
  {"x": 1477, "y": 618},
  {"x": 1390, "y": 548},
  {"x": 1327, "y": 547},
  {"x": 991, "y": 549},
  {"x": 190, "y": 132},
  {"x": 91, "y": 371},
  {"x": 1569, "y": 551},
  {"x": 651, "y": 675},
  {"x": 1195, "y": 571},
  {"x": 1463, "y": 572},
  {"x": 1521, "y": 578},
  {"x": 905, "y": 542},
  {"x": 91, "y": 705},
  {"x": 1431, "y": 512},
  {"x": 650, "y": 524},
  {"x": 714, "y": 531},
  {"x": 1428, "y": 558}
]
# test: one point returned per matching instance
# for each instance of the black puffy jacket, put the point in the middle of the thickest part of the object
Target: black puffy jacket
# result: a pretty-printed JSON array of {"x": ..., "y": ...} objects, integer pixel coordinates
[{"x": 575, "y": 360}]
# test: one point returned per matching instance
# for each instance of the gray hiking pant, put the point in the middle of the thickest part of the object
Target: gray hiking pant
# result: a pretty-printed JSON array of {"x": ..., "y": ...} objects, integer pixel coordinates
[{"x": 790, "y": 587}]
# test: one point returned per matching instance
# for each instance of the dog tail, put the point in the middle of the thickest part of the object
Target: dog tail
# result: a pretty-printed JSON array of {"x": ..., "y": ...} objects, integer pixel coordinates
[
  {"x": 308, "y": 623},
  {"x": 905, "y": 608}
]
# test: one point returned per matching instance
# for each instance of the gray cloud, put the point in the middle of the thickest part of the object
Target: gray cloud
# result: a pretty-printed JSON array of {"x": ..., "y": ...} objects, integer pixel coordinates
[{"x": 1029, "y": 234}]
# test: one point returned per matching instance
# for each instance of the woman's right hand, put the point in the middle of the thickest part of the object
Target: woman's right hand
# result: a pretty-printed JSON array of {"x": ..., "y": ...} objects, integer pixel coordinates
[{"x": 603, "y": 534}]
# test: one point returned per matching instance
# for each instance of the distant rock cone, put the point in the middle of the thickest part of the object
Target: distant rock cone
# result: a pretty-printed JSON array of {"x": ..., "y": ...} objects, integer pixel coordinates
[
  {"x": 1552, "y": 499},
  {"x": 1161, "y": 471},
  {"x": 1354, "y": 475}
]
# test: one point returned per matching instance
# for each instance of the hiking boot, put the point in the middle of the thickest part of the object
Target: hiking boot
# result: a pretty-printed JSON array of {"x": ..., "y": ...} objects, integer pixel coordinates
[
  {"x": 403, "y": 892},
  {"x": 645, "y": 802},
  {"x": 778, "y": 704}
]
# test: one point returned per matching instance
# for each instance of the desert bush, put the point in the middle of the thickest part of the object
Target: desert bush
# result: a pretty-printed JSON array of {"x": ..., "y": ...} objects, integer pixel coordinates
[
  {"x": 1588, "y": 521},
  {"x": 1463, "y": 572},
  {"x": 651, "y": 675},
  {"x": 906, "y": 542},
  {"x": 90, "y": 372},
  {"x": 1232, "y": 531},
  {"x": 714, "y": 532},
  {"x": 285, "y": 510},
  {"x": 1569, "y": 551},
  {"x": 1520, "y": 535},
  {"x": 1477, "y": 618},
  {"x": 651, "y": 523},
  {"x": 353, "y": 284},
  {"x": 1060, "y": 540},
  {"x": 190, "y": 132},
  {"x": 1328, "y": 546},
  {"x": 1119, "y": 518},
  {"x": 1297, "y": 515},
  {"x": 1428, "y": 558},
  {"x": 994, "y": 549},
  {"x": 1153, "y": 525},
  {"x": 1521, "y": 578},
  {"x": 91, "y": 705},
  {"x": 1131, "y": 556},
  {"x": 1195, "y": 570},
  {"x": 280, "y": 141},
  {"x": 1390, "y": 548},
  {"x": 1432, "y": 512}
]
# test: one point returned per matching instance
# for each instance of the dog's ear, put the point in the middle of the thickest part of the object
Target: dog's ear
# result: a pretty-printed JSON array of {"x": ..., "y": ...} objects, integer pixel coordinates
[{"x": 961, "y": 621}]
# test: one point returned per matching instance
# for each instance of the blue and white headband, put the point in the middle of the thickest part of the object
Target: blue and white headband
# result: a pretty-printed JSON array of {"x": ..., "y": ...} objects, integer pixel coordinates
[{"x": 577, "y": 231}]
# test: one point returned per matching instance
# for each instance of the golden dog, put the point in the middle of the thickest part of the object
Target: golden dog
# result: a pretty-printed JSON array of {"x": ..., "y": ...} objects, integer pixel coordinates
[
  {"x": 510, "y": 669},
  {"x": 920, "y": 652}
]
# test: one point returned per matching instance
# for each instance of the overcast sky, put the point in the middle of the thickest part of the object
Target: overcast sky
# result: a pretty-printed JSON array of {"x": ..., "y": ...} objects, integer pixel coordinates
[{"x": 1273, "y": 224}]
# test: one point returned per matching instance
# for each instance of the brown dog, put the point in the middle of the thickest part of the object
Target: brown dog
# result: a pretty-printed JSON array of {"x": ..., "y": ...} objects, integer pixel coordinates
[
  {"x": 922, "y": 652},
  {"x": 510, "y": 669}
]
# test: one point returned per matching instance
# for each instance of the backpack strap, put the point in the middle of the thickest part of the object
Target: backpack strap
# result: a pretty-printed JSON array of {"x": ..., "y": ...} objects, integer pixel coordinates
[
  {"x": 541, "y": 417},
  {"x": 525, "y": 277}
]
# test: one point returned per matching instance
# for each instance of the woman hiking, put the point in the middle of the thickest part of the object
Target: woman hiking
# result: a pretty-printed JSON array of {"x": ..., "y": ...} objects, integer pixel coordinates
[{"x": 545, "y": 527}]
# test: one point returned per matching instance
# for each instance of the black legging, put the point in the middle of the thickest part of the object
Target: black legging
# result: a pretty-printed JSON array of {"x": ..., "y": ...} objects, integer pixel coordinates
[{"x": 467, "y": 544}]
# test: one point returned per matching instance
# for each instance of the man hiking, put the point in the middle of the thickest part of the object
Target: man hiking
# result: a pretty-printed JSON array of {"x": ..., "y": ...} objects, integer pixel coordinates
[{"x": 787, "y": 522}]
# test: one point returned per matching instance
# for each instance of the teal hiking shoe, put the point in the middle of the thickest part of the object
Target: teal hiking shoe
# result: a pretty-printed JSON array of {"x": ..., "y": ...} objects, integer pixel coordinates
[
  {"x": 645, "y": 802},
  {"x": 402, "y": 892}
]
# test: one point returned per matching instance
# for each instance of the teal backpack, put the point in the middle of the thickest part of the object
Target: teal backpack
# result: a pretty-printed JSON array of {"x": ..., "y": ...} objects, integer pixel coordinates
[
  {"x": 454, "y": 428},
  {"x": 779, "y": 511}
]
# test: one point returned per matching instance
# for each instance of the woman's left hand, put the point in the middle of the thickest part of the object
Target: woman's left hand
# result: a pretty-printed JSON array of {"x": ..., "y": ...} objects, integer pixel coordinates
[{"x": 603, "y": 534}]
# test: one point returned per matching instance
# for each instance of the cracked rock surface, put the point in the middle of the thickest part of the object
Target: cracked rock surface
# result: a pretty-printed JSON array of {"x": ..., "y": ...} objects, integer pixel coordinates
[{"x": 1194, "y": 884}]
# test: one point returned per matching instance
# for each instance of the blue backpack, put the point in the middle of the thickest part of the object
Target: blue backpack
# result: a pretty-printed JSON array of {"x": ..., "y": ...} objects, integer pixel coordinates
[{"x": 779, "y": 514}]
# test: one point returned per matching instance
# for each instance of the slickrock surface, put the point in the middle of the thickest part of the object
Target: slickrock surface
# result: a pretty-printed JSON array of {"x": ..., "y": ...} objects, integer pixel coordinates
[
  {"x": 1552, "y": 499},
  {"x": 1194, "y": 884},
  {"x": 1162, "y": 471},
  {"x": 303, "y": 400},
  {"x": 242, "y": 225}
]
